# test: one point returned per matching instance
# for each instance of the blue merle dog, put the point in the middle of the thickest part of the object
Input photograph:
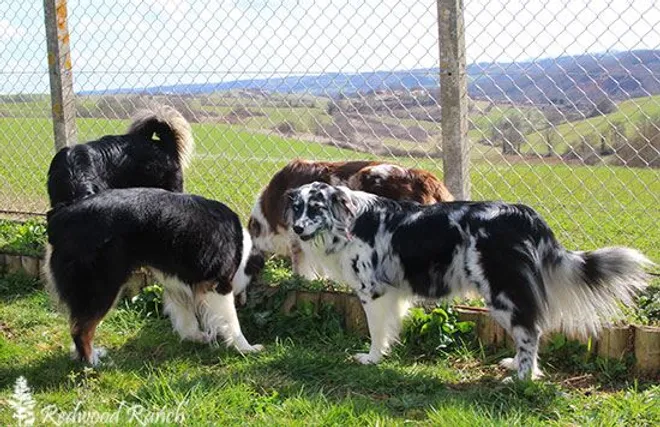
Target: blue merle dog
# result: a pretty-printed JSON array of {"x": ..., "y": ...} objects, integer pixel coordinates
[{"x": 390, "y": 252}]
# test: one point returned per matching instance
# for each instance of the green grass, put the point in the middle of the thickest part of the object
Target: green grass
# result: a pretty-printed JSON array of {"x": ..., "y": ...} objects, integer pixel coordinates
[
  {"x": 482, "y": 121},
  {"x": 304, "y": 119},
  {"x": 35, "y": 108},
  {"x": 304, "y": 377}
]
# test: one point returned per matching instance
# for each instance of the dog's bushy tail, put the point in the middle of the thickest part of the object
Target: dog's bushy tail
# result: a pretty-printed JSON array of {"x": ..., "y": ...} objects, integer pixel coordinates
[
  {"x": 171, "y": 128},
  {"x": 586, "y": 289}
]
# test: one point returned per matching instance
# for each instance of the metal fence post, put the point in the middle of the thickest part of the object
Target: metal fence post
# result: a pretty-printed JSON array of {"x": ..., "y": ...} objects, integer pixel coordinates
[
  {"x": 453, "y": 97},
  {"x": 63, "y": 103}
]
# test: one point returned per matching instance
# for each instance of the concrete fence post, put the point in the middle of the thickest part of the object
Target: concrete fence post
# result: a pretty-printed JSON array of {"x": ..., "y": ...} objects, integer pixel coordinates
[
  {"x": 63, "y": 103},
  {"x": 453, "y": 98}
]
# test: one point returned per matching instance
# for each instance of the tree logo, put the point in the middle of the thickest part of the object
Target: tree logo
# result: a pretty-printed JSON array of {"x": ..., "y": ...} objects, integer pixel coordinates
[{"x": 22, "y": 403}]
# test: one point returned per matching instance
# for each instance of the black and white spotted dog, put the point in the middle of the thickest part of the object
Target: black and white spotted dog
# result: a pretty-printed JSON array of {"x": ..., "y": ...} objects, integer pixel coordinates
[
  {"x": 390, "y": 251},
  {"x": 196, "y": 247}
]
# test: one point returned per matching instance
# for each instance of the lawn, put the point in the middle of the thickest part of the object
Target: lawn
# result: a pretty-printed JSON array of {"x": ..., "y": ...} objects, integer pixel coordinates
[{"x": 304, "y": 377}]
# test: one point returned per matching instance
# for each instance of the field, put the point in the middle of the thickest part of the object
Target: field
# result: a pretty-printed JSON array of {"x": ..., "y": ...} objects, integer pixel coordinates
[{"x": 588, "y": 206}]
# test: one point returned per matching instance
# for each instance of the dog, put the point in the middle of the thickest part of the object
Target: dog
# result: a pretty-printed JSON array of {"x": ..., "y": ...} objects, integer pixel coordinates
[
  {"x": 267, "y": 225},
  {"x": 196, "y": 248},
  {"x": 135, "y": 159},
  {"x": 390, "y": 251}
]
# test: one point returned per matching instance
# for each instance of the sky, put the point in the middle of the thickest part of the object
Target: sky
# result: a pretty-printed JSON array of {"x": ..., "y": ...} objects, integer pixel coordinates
[{"x": 141, "y": 43}]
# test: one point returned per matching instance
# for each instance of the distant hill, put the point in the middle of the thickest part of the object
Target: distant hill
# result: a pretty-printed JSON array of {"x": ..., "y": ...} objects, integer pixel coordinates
[
  {"x": 327, "y": 84},
  {"x": 568, "y": 80},
  {"x": 579, "y": 80}
]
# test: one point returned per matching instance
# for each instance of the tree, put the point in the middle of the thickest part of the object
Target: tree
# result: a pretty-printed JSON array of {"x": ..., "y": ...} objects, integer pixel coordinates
[
  {"x": 510, "y": 130},
  {"x": 549, "y": 137},
  {"x": 604, "y": 106}
]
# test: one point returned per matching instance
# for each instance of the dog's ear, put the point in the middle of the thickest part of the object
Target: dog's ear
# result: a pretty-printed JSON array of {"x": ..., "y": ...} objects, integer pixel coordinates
[
  {"x": 342, "y": 207},
  {"x": 287, "y": 211}
]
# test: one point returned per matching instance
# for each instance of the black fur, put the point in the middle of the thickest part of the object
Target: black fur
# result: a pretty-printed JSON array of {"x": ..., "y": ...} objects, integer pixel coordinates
[
  {"x": 135, "y": 159},
  {"x": 97, "y": 242}
]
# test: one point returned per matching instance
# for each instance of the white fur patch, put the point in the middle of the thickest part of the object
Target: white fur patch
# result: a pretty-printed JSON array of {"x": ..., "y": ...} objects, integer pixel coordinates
[
  {"x": 384, "y": 317},
  {"x": 386, "y": 170},
  {"x": 241, "y": 280},
  {"x": 218, "y": 318},
  {"x": 179, "y": 306},
  {"x": 49, "y": 280},
  {"x": 477, "y": 275},
  {"x": 456, "y": 215},
  {"x": 488, "y": 214}
]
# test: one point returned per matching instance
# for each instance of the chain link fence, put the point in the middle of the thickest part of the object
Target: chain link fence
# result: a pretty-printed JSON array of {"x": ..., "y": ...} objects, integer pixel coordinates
[{"x": 563, "y": 112}]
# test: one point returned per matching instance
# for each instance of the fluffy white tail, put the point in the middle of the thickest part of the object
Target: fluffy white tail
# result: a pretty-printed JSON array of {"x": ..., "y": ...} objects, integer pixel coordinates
[{"x": 584, "y": 290}]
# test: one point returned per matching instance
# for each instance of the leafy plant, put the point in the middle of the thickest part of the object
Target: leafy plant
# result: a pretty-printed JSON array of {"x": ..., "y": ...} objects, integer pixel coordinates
[
  {"x": 437, "y": 330},
  {"x": 149, "y": 302},
  {"x": 25, "y": 238},
  {"x": 648, "y": 306}
]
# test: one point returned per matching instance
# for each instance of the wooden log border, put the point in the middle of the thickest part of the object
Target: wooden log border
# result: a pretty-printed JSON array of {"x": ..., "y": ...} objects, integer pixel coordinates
[{"x": 615, "y": 342}]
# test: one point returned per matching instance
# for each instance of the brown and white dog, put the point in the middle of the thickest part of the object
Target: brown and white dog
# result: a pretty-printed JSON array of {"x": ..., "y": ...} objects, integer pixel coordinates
[{"x": 268, "y": 225}]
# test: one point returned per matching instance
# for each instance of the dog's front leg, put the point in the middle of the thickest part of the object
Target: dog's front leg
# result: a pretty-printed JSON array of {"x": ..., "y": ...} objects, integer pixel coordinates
[{"x": 384, "y": 316}]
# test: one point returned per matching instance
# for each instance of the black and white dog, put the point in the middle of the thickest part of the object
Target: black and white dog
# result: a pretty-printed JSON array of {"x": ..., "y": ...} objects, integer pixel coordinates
[
  {"x": 390, "y": 251},
  {"x": 135, "y": 159},
  {"x": 197, "y": 248}
]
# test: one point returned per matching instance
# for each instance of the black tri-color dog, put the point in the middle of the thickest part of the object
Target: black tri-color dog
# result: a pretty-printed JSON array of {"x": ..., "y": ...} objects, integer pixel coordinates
[
  {"x": 196, "y": 247},
  {"x": 390, "y": 251}
]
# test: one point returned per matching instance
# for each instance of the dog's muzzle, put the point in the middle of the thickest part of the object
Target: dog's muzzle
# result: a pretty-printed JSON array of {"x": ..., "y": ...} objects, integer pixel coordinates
[{"x": 300, "y": 230}]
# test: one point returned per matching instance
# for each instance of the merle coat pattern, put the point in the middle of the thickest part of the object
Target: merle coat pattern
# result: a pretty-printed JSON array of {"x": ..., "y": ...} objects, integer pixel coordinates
[
  {"x": 195, "y": 246},
  {"x": 390, "y": 251}
]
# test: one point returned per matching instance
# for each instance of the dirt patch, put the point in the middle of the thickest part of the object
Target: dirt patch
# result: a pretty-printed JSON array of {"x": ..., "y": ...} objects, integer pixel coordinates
[
  {"x": 240, "y": 114},
  {"x": 374, "y": 127}
]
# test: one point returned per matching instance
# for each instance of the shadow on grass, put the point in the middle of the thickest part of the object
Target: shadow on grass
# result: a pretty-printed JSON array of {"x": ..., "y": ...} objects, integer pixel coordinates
[
  {"x": 389, "y": 391},
  {"x": 17, "y": 285},
  {"x": 154, "y": 344}
]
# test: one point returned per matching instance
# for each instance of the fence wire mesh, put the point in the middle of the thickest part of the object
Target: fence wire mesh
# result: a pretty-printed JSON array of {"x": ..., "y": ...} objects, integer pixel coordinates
[{"x": 564, "y": 97}]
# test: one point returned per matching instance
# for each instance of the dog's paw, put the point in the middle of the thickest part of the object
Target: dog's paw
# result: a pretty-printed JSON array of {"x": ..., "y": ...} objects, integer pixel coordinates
[
  {"x": 94, "y": 358},
  {"x": 509, "y": 363},
  {"x": 516, "y": 377},
  {"x": 537, "y": 374},
  {"x": 509, "y": 380},
  {"x": 97, "y": 354},
  {"x": 366, "y": 359},
  {"x": 251, "y": 349}
]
